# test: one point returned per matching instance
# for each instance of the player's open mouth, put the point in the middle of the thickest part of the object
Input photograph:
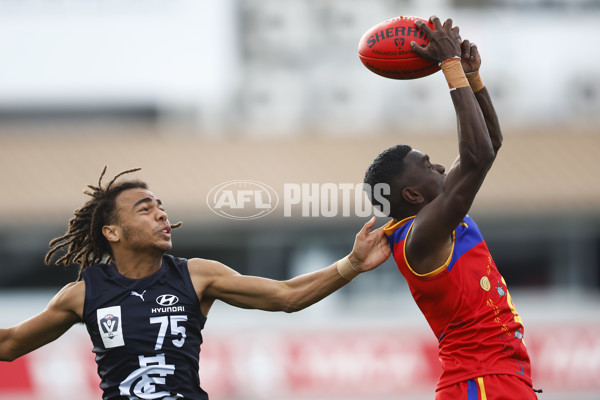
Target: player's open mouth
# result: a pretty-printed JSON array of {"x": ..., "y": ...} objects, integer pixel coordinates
[{"x": 166, "y": 230}]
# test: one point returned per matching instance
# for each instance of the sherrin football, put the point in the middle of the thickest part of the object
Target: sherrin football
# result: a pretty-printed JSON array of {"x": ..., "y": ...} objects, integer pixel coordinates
[{"x": 385, "y": 49}]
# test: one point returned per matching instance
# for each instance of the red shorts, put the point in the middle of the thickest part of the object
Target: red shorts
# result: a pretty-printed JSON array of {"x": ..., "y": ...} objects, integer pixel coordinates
[{"x": 488, "y": 387}]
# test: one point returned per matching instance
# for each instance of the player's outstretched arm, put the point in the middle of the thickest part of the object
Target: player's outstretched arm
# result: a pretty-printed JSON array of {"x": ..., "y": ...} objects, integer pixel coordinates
[
  {"x": 471, "y": 63},
  {"x": 430, "y": 240},
  {"x": 64, "y": 310},
  {"x": 213, "y": 280}
]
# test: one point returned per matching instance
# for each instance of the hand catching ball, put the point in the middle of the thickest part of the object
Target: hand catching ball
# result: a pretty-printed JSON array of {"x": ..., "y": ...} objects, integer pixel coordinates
[{"x": 385, "y": 49}]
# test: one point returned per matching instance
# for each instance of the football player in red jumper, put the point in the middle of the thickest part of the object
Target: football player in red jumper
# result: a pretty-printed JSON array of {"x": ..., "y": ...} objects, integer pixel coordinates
[{"x": 438, "y": 247}]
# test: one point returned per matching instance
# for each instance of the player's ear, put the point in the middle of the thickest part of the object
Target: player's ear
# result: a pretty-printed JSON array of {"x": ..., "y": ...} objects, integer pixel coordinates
[
  {"x": 111, "y": 233},
  {"x": 411, "y": 196}
]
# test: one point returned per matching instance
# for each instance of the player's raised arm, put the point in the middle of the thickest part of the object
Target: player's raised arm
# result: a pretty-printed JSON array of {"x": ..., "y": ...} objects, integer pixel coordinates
[
  {"x": 430, "y": 240},
  {"x": 64, "y": 310},
  {"x": 471, "y": 62},
  {"x": 216, "y": 281}
]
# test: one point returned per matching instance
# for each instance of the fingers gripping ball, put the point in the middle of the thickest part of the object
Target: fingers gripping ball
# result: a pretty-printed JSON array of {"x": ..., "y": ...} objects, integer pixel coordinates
[{"x": 385, "y": 49}]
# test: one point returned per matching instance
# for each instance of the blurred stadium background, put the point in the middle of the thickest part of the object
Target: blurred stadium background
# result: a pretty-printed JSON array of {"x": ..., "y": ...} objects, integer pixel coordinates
[{"x": 199, "y": 93}]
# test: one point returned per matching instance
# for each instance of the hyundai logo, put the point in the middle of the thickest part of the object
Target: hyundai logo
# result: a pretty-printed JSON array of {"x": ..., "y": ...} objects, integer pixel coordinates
[{"x": 167, "y": 299}]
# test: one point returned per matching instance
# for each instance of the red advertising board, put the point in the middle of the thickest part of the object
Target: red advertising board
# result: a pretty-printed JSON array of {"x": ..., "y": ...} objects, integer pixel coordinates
[{"x": 313, "y": 363}]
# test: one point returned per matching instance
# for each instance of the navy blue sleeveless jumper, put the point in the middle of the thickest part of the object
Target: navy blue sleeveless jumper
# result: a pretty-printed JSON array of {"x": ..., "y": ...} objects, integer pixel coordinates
[{"x": 146, "y": 332}]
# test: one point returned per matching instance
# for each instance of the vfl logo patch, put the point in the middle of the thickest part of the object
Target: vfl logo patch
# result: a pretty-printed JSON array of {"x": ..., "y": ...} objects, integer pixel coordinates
[
  {"x": 167, "y": 299},
  {"x": 110, "y": 325}
]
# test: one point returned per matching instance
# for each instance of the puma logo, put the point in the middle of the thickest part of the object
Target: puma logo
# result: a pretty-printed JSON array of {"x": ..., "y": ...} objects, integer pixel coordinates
[{"x": 141, "y": 296}]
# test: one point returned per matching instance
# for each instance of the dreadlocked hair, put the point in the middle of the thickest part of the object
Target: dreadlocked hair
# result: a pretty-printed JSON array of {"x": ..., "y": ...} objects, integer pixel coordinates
[{"x": 84, "y": 241}]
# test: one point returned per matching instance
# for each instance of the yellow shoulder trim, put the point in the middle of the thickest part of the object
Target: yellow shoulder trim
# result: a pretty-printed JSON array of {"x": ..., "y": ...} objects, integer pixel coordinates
[
  {"x": 393, "y": 226},
  {"x": 435, "y": 271}
]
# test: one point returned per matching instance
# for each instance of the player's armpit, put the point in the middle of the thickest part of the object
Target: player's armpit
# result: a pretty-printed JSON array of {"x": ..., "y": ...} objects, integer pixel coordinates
[
  {"x": 429, "y": 242},
  {"x": 64, "y": 310}
]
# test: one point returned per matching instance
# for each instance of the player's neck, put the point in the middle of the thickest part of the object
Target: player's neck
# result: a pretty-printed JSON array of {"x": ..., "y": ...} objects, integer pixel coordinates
[{"x": 135, "y": 265}]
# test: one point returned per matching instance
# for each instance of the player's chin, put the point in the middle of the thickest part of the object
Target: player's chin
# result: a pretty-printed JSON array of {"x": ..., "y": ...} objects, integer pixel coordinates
[{"x": 164, "y": 246}]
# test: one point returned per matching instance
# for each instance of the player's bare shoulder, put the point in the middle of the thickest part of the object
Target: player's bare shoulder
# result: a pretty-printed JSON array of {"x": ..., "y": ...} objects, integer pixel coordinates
[
  {"x": 70, "y": 298},
  {"x": 204, "y": 272}
]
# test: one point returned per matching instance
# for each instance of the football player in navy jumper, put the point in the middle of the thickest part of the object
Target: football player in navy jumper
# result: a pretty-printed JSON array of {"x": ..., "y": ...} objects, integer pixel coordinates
[{"x": 144, "y": 309}]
